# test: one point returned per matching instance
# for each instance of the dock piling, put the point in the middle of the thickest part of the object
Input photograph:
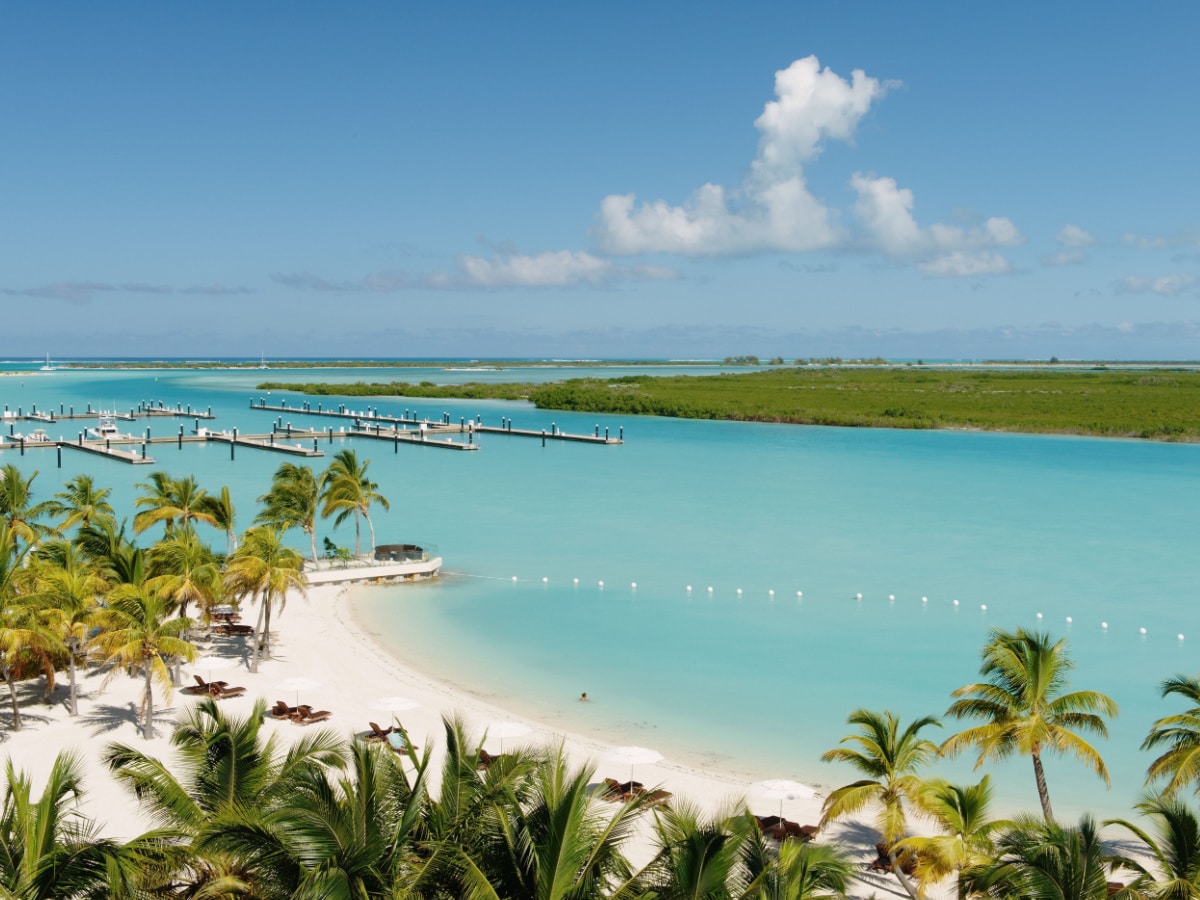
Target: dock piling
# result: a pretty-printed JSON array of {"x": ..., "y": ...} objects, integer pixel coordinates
[
  {"x": 59, "y": 449},
  {"x": 180, "y": 436},
  {"x": 543, "y": 437},
  {"x": 22, "y": 445}
]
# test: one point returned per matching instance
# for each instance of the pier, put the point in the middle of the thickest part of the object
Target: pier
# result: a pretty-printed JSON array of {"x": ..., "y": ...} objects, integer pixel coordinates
[{"x": 363, "y": 421}]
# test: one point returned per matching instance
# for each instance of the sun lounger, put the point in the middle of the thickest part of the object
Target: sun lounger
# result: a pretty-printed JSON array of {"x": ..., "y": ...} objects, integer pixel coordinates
[
  {"x": 282, "y": 711},
  {"x": 201, "y": 686},
  {"x": 655, "y": 798},
  {"x": 784, "y": 829},
  {"x": 621, "y": 790},
  {"x": 218, "y": 690},
  {"x": 304, "y": 715},
  {"x": 398, "y": 741},
  {"x": 378, "y": 734}
]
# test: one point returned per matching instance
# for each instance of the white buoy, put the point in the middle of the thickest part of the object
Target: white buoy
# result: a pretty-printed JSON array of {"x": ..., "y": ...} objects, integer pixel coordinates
[
  {"x": 1104, "y": 625},
  {"x": 956, "y": 603},
  {"x": 771, "y": 593},
  {"x": 983, "y": 606},
  {"x": 544, "y": 579},
  {"x": 858, "y": 596},
  {"x": 1179, "y": 637},
  {"x": 514, "y": 578},
  {"x": 924, "y": 599},
  {"x": 1039, "y": 615},
  {"x": 689, "y": 587},
  {"x": 1142, "y": 630},
  {"x": 799, "y": 593},
  {"x": 633, "y": 586},
  {"x": 577, "y": 581},
  {"x": 739, "y": 592},
  {"x": 710, "y": 588},
  {"x": 601, "y": 584},
  {"x": 891, "y": 596},
  {"x": 1069, "y": 620}
]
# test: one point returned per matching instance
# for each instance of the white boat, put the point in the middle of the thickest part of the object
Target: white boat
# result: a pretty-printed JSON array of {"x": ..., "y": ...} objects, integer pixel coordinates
[
  {"x": 47, "y": 367},
  {"x": 262, "y": 362},
  {"x": 105, "y": 429},
  {"x": 37, "y": 436}
]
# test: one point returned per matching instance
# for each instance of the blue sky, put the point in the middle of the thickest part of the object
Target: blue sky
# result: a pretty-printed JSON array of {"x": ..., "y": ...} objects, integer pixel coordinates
[{"x": 600, "y": 180}]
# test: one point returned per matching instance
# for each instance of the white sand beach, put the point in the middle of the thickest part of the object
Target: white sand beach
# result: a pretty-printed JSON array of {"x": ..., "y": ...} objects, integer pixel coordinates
[{"x": 319, "y": 644}]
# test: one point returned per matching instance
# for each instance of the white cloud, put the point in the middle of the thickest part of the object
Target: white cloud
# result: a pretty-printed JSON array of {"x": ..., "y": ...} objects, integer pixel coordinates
[
  {"x": 960, "y": 264},
  {"x": 1074, "y": 236},
  {"x": 1065, "y": 258},
  {"x": 1163, "y": 285},
  {"x": 885, "y": 212},
  {"x": 1144, "y": 242},
  {"x": 561, "y": 268},
  {"x": 773, "y": 210}
]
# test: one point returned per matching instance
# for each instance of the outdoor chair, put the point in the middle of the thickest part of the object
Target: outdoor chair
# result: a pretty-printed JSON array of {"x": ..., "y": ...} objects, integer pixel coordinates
[{"x": 304, "y": 715}]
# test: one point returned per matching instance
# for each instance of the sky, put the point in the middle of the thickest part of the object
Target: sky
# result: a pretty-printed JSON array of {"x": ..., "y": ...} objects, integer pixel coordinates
[{"x": 585, "y": 180}]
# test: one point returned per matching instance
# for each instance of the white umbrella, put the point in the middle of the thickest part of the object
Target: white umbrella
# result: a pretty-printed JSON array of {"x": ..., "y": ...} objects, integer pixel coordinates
[
  {"x": 783, "y": 789},
  {"x": 394, "y": 704},
  {"x": 298, "y": 683},
  {"x": 506, "y": 729},
  {"x": 635, "y": 756}
]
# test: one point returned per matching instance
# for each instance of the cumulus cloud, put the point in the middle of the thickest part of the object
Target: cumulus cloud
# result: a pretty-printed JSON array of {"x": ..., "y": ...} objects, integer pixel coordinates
[
  {"x": 773, "y": 209},
  {"x": 552, "y": 269},
  {"x": 1163, "y": 285},
  {"x": 885, "y": 211},
  {"x": 1074, "y": 236},
  {"x": 962, "y": 264}
]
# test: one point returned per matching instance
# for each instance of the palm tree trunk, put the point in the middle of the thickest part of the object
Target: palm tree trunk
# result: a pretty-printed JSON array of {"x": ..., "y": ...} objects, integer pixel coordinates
[
  {"x": 901, "y": 877},
  {"x": 372, "y": 527},
  {"x": 258, "y": 640},
  {"x": 357, "y": 538},
  {"x": 1043, "y": 792},
  {"x": 12, "y": 693},
  {"x": 312, "y": 539},
  {"x": 266, "y": 600},
  {"x": 148, "y": 704},
  {"x": 71, "y": 668}
]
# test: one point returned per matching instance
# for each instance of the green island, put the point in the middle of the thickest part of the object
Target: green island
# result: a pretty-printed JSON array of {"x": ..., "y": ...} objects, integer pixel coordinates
[{"x": 1162, "y": 404}]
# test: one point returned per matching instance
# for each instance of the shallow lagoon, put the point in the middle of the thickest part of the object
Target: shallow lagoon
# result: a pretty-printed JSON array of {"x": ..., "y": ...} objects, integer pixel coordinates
[{"x": 1102, "y": 531}]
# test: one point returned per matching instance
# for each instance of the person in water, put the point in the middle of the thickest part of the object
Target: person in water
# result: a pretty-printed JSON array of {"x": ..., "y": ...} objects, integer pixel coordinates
[{"x": 583, "y": 698}]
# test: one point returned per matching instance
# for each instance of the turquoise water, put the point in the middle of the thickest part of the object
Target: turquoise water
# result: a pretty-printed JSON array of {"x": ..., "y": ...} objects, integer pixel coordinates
[{"x": 1101, "y": 531}]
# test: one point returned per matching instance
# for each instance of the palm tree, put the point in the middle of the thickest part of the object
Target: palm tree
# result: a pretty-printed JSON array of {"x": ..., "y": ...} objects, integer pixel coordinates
[
  {"x": 1180, "y": 734},
  {"x": 890, "y": 758},
  {"x": 222, "y": 514},
  {"x": 47, "y": 850},
  {"x": 17, "y": 507},
  {"x": 22, "y": 629},
  {"x": 699, "y": 856},
  {"x": 183, "y": 570},
  {"x": 137, "y": 633},
  {"x": 265, "y": 567},
  {"x": 1042, "y": 860},
  {"x": 169, "y": 501},
  {"x": 68, "y": 586},
  {"x": 346, "y": 491},
  {"x": 225, "y": 768},
  {"x": 104, "y": 542},
  {"x": 961, "y": 813},
  {"x": 292, "y": 501},
  {"x": 80, "y": 502},
  {"x": 1175, "y": 849},
  {"x": 806, "y": 872},
  {"x": 1025, "y": 708}
]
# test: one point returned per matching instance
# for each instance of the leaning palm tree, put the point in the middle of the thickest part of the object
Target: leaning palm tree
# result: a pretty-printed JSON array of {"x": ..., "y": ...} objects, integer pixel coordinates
[
  {"x": 1180, "y": 735},
  {"x": 1042, "y": 860},
  {"x": 220, "y": 513},
  {"x": 962, "y": 816},
  {"x": 1174, "y": 847},
  {"x": 292, "y": 502},
  {"x": 68, "y": 586},
  {"x": 347, "y": 491},
  {"x": 48, "y": 850},
  {"x": 1026, "y": 709},
  {"x": 80, "y": 502},
  {"x": 17, "y": 508},
  {"x": 890, "y": 757},
  {"x": 265, "y": 568},
  {"x": 136, "y": 632}
]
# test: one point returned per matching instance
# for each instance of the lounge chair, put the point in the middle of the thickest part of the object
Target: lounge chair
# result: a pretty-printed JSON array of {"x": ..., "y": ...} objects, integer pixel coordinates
[
  {"x": 655, "y": 798},
  {"x": 201, "y": 686},
  {"x": 398, "y": 741},
  {"x": 218, "y": 690},
  {"x": 378, "y": 734},
  {"x": 282, "y": 711},
  {"x": 486, "y": 759},
  {"x": 785, "y": 829},
  {"x": 304, "y": 715},
  {"x": 621, "y": 790}
]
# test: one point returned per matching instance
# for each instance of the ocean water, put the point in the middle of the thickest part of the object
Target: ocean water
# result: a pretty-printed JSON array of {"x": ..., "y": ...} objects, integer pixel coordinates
[{"x": 750, "y": 677}]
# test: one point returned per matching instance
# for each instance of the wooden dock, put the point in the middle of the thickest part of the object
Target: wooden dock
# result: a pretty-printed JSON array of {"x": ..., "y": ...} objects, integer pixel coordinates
[{"x": 371, "y": 420}]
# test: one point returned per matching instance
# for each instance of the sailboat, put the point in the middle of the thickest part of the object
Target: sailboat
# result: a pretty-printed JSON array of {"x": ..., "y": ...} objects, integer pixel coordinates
[
  {"x": 47, "y": 367},
  {"x": 262, "y": 361}
]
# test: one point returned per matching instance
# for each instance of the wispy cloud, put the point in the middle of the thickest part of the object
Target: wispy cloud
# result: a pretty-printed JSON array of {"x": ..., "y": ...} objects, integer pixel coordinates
[
  {"x": 1163, "y": 285},
  {"x": 552, "y": 269},
  {"x": 80, "y": 292},
  {"x": 1065, "y": 258},
  {"x": 964, "y": 264}
]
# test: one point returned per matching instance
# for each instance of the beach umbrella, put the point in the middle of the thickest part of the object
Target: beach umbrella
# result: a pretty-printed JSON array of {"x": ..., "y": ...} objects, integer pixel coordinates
[
  {"x": 394, "y": 704},
  {"x": 298, "y": 683},
  {"x": 783, "y": 789},
  {"x": 634, "y": 756},
  {"x": 506, "y": 728}
]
